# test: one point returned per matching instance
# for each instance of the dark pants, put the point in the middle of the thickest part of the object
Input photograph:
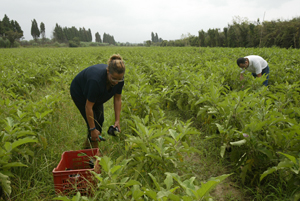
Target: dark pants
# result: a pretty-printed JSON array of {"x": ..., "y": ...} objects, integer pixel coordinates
[
  {"x": 264, "y": 71},
  {"x": 98, "y": 114}
]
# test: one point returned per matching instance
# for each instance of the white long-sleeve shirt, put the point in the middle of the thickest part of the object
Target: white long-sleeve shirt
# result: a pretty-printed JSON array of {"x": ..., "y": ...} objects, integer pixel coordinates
[{"x": 256, "y": 64}]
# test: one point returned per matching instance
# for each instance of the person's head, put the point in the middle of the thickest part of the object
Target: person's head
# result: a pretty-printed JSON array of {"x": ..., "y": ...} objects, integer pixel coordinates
[
  {"x": 115, "y": 69},
  {"x": 242, "y": 62}
]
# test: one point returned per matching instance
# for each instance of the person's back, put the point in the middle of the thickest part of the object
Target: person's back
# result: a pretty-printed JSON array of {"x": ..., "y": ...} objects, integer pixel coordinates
[{"x": 91, "y": 88}]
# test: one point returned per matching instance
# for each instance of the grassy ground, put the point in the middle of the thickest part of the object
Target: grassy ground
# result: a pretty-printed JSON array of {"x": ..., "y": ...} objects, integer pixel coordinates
[
  {"x": 67, "y": 132},
  {"x": 209, "y": 164}
]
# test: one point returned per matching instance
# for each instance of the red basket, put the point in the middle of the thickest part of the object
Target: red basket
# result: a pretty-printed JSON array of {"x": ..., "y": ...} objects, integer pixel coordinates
[{"x": 73, "y": 174}]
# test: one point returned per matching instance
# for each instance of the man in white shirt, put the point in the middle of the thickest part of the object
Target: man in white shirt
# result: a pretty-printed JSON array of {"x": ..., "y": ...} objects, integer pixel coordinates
[{"x": 256, "y": 65}]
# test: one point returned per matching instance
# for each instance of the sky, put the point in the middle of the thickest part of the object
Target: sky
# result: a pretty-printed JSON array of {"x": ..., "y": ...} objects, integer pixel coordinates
[{"x": 133, "y": 21}]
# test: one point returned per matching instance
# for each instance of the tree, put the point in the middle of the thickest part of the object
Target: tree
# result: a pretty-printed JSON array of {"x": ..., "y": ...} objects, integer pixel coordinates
[
  {"x": 98, "y": 38},
  {"x": 108, "y": 39},
  {"x": 231, "y": 36},
  {"x": 217, "y": 38},
  {"x": 225, "y": 31},
  {"x": 10, "y": 30},
  {"x": 156, "y": 37},
  {"x": 75, "y": 42},
  {"x": 35, "y": 32},
  {"x": 1, "y": 28},
  {"x": 12, "y": 36},
  {"x": 6, "y": 25},
  {"x": 212, "y": 40},
  {"x": 251, "y": 34},
  {"x": 148, "y": 43},
  {"x": 90, "y": 38},
  {"x": 202, "y": 38},
  {"x": 59, "y": 34},
  {"x": 152, "y": 37},
  {"x": 17, "y": 28},
  {"x": 243, "y": 34},
  {"x": 43, "y": 32}
]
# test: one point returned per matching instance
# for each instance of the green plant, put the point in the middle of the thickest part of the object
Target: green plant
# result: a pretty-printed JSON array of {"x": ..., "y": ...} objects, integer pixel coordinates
[{"x": 114, "y": 184}]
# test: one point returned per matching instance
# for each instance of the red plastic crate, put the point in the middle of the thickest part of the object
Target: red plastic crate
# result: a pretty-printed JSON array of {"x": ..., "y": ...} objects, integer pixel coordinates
[{"x": 73, "y": 174}]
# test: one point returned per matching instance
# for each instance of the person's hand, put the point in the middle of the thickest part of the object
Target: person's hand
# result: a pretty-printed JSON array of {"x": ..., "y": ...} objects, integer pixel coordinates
[
  {"x": 117, "y": 124},
  {"x": 95, "y": 135},
  {"x": 241, "y": 77}
]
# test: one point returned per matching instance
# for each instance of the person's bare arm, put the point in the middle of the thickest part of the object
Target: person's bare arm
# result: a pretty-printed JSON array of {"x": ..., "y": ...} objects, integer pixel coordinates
[
  {"x": 90, "y": 118},
  {"x": 241, "y": 76},
  {"x": 117, "y": 108}
]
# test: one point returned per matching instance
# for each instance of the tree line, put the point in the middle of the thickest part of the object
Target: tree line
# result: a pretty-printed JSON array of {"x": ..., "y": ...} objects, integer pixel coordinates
[
  {"x": 155, "y": 39},
  {"x": 10, "y": 30},
  {"x": 73, "y": 34},
  {"x": 242, "y": 33}
]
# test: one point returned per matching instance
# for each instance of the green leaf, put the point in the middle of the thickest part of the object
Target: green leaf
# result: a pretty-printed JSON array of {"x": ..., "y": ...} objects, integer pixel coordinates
[
  {"x": 154, "y": 156},
  {"x": 115, "y": 168},
  {"x": 297, "y": 197},
  {"x": 154, "y": 181},
  {"x": 76, "y": 197},
  {"x": 131, "y": 183},
  {"x": 151, "y": 194},
  {"x": 292, "y": 158},
  {"x": 22, "y": 141},
  {"x": 281, "y": 165},
  {"x": 124, "y": 180},
  {"x": 222, "y": 152},
  {"x": 220, "y": 128},
  {"x": 139, "y": 142},
  {"x": 21, "y": 114},
  {"x": 208, "y": 186},
  {"x": 244, "y": 172},
  {"x": 265, "y": 151},
  {"x": 45, "y": 113},
  {"x": 9, "y": 122},
  {"x": 163, "y": 194},
  {"x": 238, "y": 143},
  {"x": 189, "y": 183},
  {"x": 174, "y": 134},
  {"x": 13, "y": 164},
  {"x": 24, "y": 133},
  {"x": 157, "y": 135},
  {"x": 62, "y": 198},
  {"x": 136, "y": 192},
  {"x": 105, "y": 163},
  {"x": 5, "y": 183},
  {"x": 168, "y": 181}
]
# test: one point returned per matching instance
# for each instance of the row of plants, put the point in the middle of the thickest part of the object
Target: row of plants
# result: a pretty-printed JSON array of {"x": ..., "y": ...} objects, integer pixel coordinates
[
  {"x": 23, "y": 118},
  {"x": 151, "y": 164},
  {"x": 260, "y": 126}
]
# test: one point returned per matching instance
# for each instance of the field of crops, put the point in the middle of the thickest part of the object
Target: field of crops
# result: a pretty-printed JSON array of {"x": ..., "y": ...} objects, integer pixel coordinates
[{"x": 175, "y": 103}]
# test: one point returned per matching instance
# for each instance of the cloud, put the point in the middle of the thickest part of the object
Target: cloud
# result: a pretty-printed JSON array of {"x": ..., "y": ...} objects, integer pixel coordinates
[{"x": 134, "y": 20}]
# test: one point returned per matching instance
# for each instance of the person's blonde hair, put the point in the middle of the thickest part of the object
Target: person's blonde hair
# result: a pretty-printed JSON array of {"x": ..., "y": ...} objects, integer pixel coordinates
[{"x": 116, "y": 64}]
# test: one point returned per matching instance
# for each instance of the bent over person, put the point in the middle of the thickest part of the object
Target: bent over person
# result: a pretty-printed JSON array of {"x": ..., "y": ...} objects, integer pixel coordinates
[
  {"x": 256, "y": 65},
  {"x": 91, "y": 88}
]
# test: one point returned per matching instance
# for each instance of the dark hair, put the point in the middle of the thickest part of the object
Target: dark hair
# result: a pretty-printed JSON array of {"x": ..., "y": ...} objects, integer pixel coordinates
[
  {"x": 116, "y": 64},
  {"x": 241, "y": 60}
]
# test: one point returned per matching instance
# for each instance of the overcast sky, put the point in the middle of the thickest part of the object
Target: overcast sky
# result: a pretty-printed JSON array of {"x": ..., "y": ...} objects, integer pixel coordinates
[{"x": 134, "y": 20}]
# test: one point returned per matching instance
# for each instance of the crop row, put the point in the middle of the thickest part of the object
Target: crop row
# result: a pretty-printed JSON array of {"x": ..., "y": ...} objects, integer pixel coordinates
[{"x": 258, "y": 126}]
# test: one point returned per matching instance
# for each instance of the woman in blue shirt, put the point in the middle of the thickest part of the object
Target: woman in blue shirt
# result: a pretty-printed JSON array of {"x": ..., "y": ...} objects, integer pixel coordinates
[{"x": 92, "y": 87}]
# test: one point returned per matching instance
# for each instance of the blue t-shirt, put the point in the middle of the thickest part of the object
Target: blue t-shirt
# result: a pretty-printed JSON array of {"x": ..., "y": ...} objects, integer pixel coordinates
[{"x": 91, "y": 83}]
